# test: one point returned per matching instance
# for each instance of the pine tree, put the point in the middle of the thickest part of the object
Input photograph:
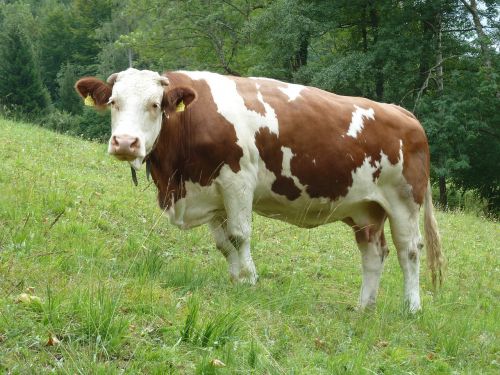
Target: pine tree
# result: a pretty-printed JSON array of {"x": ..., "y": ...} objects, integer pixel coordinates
[
  {"x": 21, "y": 87},
  {"x": 68, "y": 98}
]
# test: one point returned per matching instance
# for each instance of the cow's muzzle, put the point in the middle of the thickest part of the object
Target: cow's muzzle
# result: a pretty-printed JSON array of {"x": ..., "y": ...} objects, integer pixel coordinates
[{"x": 125, "y": 147}]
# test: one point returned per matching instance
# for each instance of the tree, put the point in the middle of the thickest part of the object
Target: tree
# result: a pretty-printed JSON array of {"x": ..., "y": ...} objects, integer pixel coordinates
[
  {"x": 68, "y": 98},
  {"x": 21, "y": 86},
  {"x": 56, "y": 43}
]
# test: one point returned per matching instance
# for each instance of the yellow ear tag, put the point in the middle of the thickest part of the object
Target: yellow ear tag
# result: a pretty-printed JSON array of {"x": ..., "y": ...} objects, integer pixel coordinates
[
  {"x": 89, "y": 101},
  {"x": 180, "y": 107}
]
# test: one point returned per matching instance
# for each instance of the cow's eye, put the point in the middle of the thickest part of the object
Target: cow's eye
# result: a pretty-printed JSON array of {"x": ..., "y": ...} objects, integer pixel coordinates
[
  {"x": 155, "y": 106},
  {"x": 111, "y": 103}
]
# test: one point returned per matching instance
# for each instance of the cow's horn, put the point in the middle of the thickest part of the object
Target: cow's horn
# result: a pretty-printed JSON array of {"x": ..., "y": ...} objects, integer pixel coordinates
[
  {"x": 112, "y": 78},
  {"x": 164, "y": 81}
]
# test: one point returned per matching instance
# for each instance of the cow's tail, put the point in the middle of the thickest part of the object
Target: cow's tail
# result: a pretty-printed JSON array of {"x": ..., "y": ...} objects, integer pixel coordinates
[{"x": 435, "y": 258}]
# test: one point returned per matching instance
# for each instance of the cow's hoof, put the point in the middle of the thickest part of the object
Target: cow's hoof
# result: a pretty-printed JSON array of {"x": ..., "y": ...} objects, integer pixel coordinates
[
  {"x": 366, "y": 307},
  {"x": 414, "y": 308},
  {"x": 248, "y": 277}
]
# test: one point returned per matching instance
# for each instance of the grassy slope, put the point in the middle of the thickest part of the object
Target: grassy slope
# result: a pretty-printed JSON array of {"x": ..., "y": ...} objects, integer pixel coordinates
[{"x": 124, "y": 290}]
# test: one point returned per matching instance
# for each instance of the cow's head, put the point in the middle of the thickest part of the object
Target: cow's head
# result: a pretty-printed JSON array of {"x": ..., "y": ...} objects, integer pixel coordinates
[{"x": 138, "y": 99}]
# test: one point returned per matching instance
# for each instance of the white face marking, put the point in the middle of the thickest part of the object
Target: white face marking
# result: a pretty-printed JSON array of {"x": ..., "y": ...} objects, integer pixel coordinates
[
  {"x": 136, "y": 109},
  {"x": 356, "y": 125}
]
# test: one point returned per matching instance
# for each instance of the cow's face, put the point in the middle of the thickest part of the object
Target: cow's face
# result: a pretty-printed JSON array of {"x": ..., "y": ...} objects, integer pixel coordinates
[{"x": 138, "y": 100}]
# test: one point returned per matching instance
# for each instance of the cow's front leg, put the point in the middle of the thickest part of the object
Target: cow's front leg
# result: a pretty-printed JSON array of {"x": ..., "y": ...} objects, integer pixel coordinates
[
  {"x": 233, "y": 227},
  {"x": 238, "y": 198},
  {"x": 236, "y": 249},
  {"x": 248, "y": 273},
  {"x": 225, "y": 246}
]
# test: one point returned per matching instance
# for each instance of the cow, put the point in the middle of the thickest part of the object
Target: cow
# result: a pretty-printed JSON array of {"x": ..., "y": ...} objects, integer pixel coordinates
[{"x": 219, "y": 147}]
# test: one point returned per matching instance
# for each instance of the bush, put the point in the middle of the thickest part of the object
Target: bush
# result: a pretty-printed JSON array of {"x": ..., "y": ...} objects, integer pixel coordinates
[
  {"x": 61, "y": 121},
  {"x": 89, "y": 125},
  {"x": 464, "y": 200},
  {"x": 95, "y": 125}
]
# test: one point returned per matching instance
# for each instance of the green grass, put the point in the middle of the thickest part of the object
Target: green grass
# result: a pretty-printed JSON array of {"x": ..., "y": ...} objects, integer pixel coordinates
[{"x": 125, "y": 292}]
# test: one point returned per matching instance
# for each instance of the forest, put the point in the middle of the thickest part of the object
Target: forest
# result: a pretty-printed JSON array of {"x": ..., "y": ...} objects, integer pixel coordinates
[{"x": 437, "y": 58}]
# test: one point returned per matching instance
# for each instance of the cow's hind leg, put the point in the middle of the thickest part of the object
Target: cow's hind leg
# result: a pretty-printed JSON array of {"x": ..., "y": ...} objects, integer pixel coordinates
[
  {"x": 408, "y": 241},
  {"x": 368, "y": 226}
]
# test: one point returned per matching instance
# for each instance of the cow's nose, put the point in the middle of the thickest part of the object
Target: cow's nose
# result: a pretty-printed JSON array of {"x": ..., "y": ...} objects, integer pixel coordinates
[{"x": 125, "y": 147}]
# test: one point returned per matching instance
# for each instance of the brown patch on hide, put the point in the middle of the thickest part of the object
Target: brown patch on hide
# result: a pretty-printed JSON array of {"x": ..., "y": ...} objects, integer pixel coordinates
[
  {"x": 247, "y": 89},
  {"x": 193, "y": 145},
  {"x": 269, "y": 150},
  {"x": 314, "y": 126}
]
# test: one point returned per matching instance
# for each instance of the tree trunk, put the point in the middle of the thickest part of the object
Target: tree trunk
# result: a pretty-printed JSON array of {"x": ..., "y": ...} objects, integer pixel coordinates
[
  {"x": 379, "y": 62},
  {"x": 484, "y": 43},
  {"x": 481, "y": 35},
  {"x": 443, "y": 195},
  {"x": 443, "y": 198},
  {"x": 129, "y": 56},
  {"x": 427, "y": 53},
  {"x": 300, "y": 57},
  {"x": 439, "y": 60}
]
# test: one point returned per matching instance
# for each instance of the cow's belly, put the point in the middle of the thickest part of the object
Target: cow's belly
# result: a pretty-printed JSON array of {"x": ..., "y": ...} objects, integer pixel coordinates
[
  {"x": 199, "y": 206},
  {"x": 202, "y": 203},
  {"x": 305, "y": 211},
  {"x": 302, "y": 214}
]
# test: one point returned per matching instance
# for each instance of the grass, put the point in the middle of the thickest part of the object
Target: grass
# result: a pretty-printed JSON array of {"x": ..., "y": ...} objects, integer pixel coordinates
[{"x": 125, "y": 292}]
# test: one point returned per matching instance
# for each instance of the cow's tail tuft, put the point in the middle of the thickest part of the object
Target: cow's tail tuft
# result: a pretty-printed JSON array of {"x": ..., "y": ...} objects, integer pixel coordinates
[{"x": 435, "y": 258}]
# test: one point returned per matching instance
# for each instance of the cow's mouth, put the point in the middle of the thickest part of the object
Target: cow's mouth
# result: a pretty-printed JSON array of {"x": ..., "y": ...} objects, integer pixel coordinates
[{"x": 125, "y": 157}]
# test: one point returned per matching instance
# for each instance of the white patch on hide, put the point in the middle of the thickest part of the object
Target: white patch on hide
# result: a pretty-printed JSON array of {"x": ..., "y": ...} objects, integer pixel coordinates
[
  {"x": 287, "y": 157},
  {"x": 231, "y": 105},
  {"x": 292, "y": 91},
  {"x": 356, "y": 125},
  {"x": 286, "y": 169},
  {"x": 197, "y": 207}
]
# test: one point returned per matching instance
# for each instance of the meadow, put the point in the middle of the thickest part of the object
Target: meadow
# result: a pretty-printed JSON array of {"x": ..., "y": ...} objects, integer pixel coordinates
[{"x": 94, "y": 280}]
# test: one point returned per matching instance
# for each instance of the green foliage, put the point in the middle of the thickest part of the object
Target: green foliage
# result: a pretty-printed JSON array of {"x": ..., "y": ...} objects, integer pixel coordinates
[
  {"x": 94, "y": 125},
  {"x": 21, "y": 87},
  {"x": 69, "y": 100},
  {"x": 61, "y": 121},
  {"x": 56, "y": 43},
  {"x": 90, "y": 124}
]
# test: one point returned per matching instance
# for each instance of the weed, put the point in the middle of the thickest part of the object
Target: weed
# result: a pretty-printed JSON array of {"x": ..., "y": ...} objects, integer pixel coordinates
[{"x": 101, "y": 324}]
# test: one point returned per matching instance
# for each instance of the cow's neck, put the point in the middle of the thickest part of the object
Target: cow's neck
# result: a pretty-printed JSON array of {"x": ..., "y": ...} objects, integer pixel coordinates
[{"x": 167, "y": 160}]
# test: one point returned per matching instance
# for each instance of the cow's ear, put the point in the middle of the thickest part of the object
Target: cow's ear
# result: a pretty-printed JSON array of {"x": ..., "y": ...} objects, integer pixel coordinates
[
  {"x": 177, "y": 99},
  {"x": 94, "y": 91}
]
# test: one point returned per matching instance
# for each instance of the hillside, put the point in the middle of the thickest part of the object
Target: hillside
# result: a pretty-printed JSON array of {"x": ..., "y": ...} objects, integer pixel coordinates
[{"x": 124, "y": 292}]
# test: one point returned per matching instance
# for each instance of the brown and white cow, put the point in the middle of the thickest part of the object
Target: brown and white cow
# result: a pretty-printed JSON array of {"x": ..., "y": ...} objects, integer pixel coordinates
[{"x": 219, "y": 147}]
